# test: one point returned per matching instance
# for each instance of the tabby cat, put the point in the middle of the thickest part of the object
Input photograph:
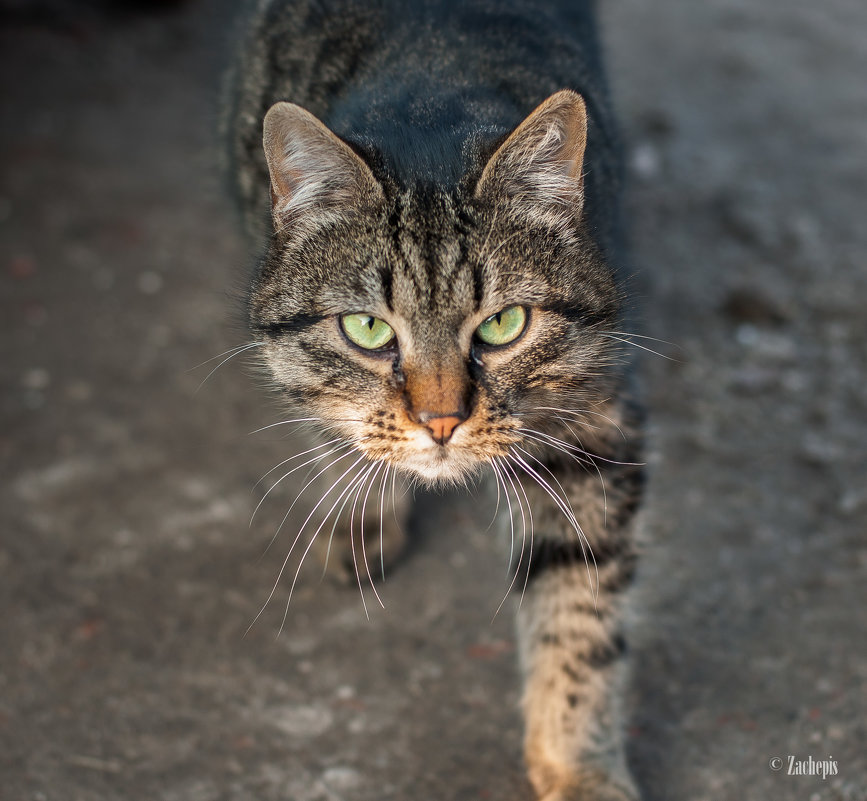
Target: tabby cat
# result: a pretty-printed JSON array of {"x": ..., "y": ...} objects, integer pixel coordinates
[{"x": 440, "y": 289}]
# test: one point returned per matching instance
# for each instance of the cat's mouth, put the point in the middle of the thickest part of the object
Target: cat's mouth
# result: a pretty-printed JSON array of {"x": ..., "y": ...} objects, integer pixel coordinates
[
  {"x": 414, "y": 449},
  {"x": 451, "y": 462},
  {"x": 440, "y": 464}
]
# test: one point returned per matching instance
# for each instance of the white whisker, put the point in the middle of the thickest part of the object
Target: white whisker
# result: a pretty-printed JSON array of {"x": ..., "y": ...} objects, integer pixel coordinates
[
  {"x": 497, "y": 506},
  {"x": 363, "y": 547},
  {"x": 289, "y": 554},
  {"x": 500, "y": 480},
  {"x": 331, "y": 536},
  {"x": 382, "y": 486},
  {"x": 313, "y": 460},
  {"x": 296, "y": 456},
  {"x": 356, "y": 481},
  {"x": 560, "y": 445},
  {"x": 352, "y": 538},
  {"x": 233, "y": 351},
  {"x": 503, "y": 466},
  {"x": 566, "y": 508},
  {"x": 530, "y": 515},
  {"x": 588, "y": 457},
  {"x": 228, "y": 358},
  {"x": 636, "y": 345},
  {"x": 286, "y": 423},
  {"x": 642, "y": 336}
]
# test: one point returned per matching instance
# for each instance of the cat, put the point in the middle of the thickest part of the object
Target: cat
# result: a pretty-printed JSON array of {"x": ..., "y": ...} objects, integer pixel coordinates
[{"x": 435, "y": 188}]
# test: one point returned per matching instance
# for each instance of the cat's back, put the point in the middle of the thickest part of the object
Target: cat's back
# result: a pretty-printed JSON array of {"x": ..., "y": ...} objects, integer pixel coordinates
[{"x": 412, "y": 82}]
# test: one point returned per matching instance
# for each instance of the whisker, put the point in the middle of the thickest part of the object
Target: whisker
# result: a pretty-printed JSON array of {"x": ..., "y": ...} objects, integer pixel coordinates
[
  {"x": 642, "y": 336},
  {"x": 560, "y": 445},
  {"x": 500, "y": 480},
  {"x": 530, "y": 515},
  {"x": 503, "y": 467},
  {"x": 497, "y": 506},
  {"x": 298, "y": 467},
  {"x": 566, "y": 507},
  {"x": 605, "y": 417},
  {"x": 363, "y": 547},
  {"x": 331, "y": 535},
  {"x": 569, "y": 423},
  {"x": 312, "y": 480},
  {"x": 577, "y": 417},
  {"x": 584, "y": 463},
  {"x": 356, "y": 481},
  {"x": 289, "y": 554},
  {"x": 590, "y": 457},
  {"x": 325, "y": 422},
  {"x": 352, "y": 539},
  {"x": 393, "y": 506},
  {"x": 543, "y": 439},
  {"x": 637, "y": 345},
  {"x": 237, "y": 348},
  {"x": 296, "y": 456},
  {"x": 228, "y": 358},
  {"x": 286, "y": 423},
  {"x": 382, "y": 486}
]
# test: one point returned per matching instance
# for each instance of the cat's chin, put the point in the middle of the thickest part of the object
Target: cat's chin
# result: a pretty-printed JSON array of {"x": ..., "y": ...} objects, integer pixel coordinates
[{"x": 441, "y": 466}]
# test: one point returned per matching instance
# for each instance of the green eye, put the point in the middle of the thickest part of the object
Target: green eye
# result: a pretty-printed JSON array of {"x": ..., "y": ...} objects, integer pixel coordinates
[
  {"x": 503, "y": 327},
  {"x": 366, "y": 331}
]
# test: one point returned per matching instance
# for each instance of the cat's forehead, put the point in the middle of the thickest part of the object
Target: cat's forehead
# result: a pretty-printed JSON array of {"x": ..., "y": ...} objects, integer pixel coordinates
[
  {"x": 431, "y": 259},
  {"x": 442, "y": 256},
  {"x": 430, "y": 271}
]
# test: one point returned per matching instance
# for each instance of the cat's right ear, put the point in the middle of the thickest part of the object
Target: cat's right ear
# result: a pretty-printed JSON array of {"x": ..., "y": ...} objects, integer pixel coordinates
[
  {"x": 313, "y": 172},
  {"x": 539, "y": 168}
]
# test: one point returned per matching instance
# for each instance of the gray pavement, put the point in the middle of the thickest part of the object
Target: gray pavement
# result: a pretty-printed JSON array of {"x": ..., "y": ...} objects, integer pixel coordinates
[{"x": 128, "y": 571}]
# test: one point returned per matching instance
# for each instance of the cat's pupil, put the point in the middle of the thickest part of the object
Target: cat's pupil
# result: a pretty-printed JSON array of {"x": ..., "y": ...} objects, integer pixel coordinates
[{"x": 497, "y": 317}]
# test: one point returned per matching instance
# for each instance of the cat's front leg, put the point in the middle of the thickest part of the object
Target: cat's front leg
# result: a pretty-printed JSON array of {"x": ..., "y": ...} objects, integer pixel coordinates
[
  {"x": 571, "y": 640},
  {"x": 574, "y": 665}
]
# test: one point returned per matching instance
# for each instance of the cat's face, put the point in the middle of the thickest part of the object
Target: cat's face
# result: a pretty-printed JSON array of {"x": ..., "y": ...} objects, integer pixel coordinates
[{"x": 434, "y": 329}]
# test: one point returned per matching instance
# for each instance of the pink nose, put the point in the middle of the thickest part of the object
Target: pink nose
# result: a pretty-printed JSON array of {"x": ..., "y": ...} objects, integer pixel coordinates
[{"x": 441, "y": 428}]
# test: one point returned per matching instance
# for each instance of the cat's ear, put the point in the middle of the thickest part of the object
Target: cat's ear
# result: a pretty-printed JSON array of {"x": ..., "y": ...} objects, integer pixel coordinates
[
  {"x": 313, "y": 172},
  {"x": 539, "y": 166}
]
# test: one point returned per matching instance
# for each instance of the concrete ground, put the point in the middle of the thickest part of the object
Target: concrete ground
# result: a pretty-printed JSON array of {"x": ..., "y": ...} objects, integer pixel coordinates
[{"x": 128, "y": 572}]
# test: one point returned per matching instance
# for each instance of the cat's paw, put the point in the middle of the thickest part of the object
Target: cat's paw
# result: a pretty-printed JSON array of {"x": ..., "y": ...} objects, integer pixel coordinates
[
  {"x": 593, "y": 791},
  {"x": 347, "y": 559}
]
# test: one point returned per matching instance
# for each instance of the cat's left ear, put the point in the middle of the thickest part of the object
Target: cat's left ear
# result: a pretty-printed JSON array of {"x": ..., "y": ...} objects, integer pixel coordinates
[
  {"x": 539, "y": 166},
  {"x": 313, "y": 172}
]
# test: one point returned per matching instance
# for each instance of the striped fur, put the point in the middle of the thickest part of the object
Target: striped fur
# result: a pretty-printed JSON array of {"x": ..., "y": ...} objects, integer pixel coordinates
[{"x": 405, "y": 185}]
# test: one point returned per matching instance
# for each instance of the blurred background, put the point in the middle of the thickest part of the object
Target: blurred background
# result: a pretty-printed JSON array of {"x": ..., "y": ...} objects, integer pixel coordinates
[{"x": 128, "y": 571}]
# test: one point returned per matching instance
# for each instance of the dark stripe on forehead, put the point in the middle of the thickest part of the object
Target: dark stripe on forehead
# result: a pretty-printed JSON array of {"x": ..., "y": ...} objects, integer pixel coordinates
[
  {"x": 478, "y": 287},
  {"x": 394, "y": 224},
  {"x": 464, "y": 225},
  {"x": 386, "y": 279},
  {"x": 410, "y": 255}
]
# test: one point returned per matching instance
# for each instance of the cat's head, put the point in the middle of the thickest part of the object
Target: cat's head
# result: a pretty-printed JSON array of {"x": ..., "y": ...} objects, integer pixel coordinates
[{"x": 434, "y": 327}]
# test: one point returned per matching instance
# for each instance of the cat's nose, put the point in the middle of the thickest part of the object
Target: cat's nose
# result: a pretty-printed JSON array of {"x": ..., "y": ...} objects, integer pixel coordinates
[{"x": 442, "y": 428}]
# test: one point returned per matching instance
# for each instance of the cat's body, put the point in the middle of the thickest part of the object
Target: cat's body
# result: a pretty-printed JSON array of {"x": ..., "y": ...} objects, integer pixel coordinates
[
  {"x": 385, "y": 76},
  {"x": 443, "y": 295}
]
